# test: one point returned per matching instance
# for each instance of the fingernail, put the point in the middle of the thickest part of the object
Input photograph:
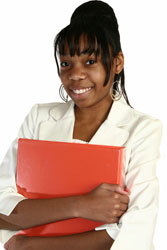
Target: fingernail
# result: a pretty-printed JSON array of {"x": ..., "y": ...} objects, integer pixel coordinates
[{"x": 127, "y": 190}]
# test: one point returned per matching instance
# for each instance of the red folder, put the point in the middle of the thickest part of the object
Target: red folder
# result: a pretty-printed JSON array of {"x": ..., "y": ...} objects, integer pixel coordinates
[{"x": 47, "y": 169}]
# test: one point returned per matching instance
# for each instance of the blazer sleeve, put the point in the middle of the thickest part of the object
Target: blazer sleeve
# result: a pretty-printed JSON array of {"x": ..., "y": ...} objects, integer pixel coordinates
[
  {"x": 138, "y": 223},
  {"x": 9, "y": 197}
]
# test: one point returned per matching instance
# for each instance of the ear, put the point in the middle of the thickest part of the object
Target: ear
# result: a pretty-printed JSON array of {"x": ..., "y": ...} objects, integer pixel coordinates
[{"x": 119, "y": 62}]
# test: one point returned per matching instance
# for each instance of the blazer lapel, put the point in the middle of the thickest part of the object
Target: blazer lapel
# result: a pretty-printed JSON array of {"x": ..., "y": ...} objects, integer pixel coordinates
[
  {"x": 114, "y": 130},
  {"x": 110, "y": 135},
  {"x": 60, "y": 125}
]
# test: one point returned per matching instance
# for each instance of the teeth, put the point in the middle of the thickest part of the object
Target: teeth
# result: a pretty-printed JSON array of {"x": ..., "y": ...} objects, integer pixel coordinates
[{"x": 80, "y": 91}]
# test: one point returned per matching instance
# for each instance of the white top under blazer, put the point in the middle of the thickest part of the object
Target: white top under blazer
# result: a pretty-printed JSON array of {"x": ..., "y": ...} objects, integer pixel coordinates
[{"x": 124, "y": 126}]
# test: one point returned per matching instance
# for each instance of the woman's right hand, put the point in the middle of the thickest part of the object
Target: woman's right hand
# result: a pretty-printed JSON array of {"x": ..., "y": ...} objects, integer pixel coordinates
[{"x": 106, "y": 203}]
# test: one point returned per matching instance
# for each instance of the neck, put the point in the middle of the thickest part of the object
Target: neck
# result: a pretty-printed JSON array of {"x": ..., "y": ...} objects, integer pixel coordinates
[{"x": 96, "y": 113}]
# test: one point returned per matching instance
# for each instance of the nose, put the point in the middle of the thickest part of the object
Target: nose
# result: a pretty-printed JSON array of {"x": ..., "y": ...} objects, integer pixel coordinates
[{"x": 77, "y": 73}]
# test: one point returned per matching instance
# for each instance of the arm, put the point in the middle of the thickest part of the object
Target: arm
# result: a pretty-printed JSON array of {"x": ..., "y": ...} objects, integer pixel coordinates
[
  {"x": 105, "y": 203},
  {"x": 10, "y": 200},
  {"x": 91, "y": 241},
  {"x": 29, "y": 213},
  {"x": 6, "y": 225},
  {"x": 137, "y": 225}
]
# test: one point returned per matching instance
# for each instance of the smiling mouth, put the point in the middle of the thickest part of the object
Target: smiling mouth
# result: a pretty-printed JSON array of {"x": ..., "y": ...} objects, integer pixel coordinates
[{"x": 80, "y": 91}]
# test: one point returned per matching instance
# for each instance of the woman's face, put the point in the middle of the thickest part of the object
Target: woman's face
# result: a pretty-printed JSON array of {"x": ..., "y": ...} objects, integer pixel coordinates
[{"x": 83, "y": 78}]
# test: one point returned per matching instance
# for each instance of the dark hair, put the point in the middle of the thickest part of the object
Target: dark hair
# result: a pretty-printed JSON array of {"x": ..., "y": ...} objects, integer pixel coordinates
[{"x": 95, "y": 20}]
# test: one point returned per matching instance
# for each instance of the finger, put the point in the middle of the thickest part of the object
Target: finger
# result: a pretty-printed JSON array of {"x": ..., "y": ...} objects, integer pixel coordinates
[
  {"x": 122, "y": 190},
  {"x": 113, "y": 188},
  {"x": 127, "y": 190},
  {"x": 124, "y": 199},
  {"x": 113, "y": 220},
  {"x": 5, "y": 246},
  {"x": 9, "y": 242},
  {"x": 119, "y": 213},
  {"x": 119, "y": 189},
  {"x": 123, "y": 207}
]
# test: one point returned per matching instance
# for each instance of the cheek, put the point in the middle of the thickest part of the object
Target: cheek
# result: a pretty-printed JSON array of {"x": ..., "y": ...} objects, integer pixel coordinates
[
  {"x": 63, "y": 78},
  {"x": 99, "y": 78},
  {"x": 100, "y": 74}
]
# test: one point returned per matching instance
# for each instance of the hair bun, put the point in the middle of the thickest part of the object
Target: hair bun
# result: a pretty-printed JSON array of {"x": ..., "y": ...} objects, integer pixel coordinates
[{"x": 95, "y": 11}]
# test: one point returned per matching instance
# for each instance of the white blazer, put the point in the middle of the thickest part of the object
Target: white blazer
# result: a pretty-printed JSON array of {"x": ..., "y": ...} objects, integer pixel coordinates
[{"x": 124, "y": 126}]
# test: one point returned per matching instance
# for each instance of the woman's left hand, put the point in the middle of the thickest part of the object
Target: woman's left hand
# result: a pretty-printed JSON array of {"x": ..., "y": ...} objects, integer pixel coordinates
[{"x": 18, "y": 242}]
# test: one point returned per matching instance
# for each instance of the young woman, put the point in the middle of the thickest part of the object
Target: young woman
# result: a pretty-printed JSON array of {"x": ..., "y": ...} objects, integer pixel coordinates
[{"x": 91, "y": 70}]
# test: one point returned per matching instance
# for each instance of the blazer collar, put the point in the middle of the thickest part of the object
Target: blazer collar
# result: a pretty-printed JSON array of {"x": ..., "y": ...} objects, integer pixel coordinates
[
  {"x": 114, "y": 129},
  {"x": 120, "y": 114},
  {"x": 112, "y": 132},
  {"x": 65, "y": 111}
]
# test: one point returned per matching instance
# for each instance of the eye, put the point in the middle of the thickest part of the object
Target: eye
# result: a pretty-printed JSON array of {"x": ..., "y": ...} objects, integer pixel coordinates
[
  {"x": 64, "y": 64},
  {"x": 91, "y": 61}
]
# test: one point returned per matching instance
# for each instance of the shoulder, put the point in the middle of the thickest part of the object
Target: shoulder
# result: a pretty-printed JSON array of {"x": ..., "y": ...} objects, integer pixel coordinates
[
  {"x": 42, "y": 111},
  {"x": 46, "y": 107},
  {"x": 124, "y": 115},
  {"x": 141, "y": 126},
  {"x": 145, "y": 122},
  {"x": 145, "y": 132}
]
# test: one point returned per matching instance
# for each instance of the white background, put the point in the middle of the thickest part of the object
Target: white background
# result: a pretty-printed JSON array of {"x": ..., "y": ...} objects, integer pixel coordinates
[{"x": 28, "y": 71}]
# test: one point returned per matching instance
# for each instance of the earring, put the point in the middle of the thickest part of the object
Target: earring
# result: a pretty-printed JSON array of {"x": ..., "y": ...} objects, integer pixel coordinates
[
  {"x": 116, "y": 93},
  {"x": 61, "y": 93}
]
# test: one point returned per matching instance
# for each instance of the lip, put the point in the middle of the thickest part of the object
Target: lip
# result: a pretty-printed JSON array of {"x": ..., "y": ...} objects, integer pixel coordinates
[
  {"x": 80, "y": 95},
  {"x": 77, "y": 88}
]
